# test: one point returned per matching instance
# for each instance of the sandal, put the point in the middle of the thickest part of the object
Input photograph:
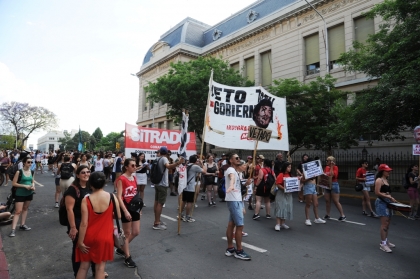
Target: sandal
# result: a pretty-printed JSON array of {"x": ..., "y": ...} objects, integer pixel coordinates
[{"x": 106, "y": 274}]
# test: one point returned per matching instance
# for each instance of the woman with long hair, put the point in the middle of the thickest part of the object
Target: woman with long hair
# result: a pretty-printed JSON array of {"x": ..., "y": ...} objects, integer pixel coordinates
[
  {"x": 84, "y": 160},
  {"x": 126, "y": 190},
  {"x": 96, "y": 242},
  {"x": 261, "y": 192},
  {"x": 24, "y": 182},
  {"x": 5, "y": 163},
  {"x": 284, "y": 201},
  {"x": 141, "y": 174},
  {"x": 311, "y": 198},
  {"x": 332, "y": 170},
  {"x": 361, "y": 178},
  {"x": 383, "y": 192},
  {"x": 411, "y": 178},
  {"x": 58, "y": 161},
  {"x": 210, "y": 167},
  {"x": 73, "y": 200},
  {"x": 38, "y": 160}
]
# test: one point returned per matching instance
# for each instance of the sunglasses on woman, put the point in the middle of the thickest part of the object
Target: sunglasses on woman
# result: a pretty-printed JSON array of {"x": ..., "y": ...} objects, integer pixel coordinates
[{"x": 85, "y": 172}]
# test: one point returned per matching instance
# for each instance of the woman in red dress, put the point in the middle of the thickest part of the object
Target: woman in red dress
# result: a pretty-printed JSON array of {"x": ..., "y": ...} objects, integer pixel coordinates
[{"x": 96, "y": 241}]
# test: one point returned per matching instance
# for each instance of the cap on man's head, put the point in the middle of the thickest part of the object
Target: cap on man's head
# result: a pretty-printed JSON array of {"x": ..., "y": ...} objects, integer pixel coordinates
[
  {"x": 249, "y": 157},
  {"x": 261, "y": 157},
  {"x": 113, "y": 155},
  {"x": 163, "y": 150}
]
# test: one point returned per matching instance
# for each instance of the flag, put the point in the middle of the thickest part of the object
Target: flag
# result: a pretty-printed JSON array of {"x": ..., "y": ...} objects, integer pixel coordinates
[
  {"x": 80, "y": 146},
  {"x": 184, "y": 131}
]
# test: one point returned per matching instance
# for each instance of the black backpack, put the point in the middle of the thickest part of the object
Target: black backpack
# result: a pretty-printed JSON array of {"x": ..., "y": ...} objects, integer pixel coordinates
[
  {"x": 221, "y": 188},
  {"x": 66, "y": 170},
  {"x": 62, "y": 210},
  {"x": 11, "y": 171},
  {"x": 156, "y": 174},
  {"x": 268, "y": 182}
]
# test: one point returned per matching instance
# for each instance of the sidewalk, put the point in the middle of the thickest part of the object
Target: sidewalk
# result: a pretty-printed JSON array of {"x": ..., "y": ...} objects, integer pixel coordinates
[
  {"x": 351, "y": 193},
  {"x": 4, "y": 268}
]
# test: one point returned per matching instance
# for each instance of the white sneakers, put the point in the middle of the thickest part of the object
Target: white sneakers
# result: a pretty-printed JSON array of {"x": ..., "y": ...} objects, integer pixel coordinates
[
  {"x": 277, "y": 228},
  {"x": 385, "y": 248},
  {"x": 308, "y": 222},
  {"x": 284, "y": 226},
  {"x": 319, "y": 221}
]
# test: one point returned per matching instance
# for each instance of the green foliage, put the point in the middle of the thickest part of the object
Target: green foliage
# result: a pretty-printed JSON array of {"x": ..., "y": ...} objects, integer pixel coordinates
[
  {"x": 97, "y": 134},
  {"x": 393, "y": 55},
  {"x": 71, "y": 143},
  {"x": 185, "y": 86},
  {"x": 7, "y": 142},
  {"x": 108, "y": 142},
  {"x": 310, "y": 112}
]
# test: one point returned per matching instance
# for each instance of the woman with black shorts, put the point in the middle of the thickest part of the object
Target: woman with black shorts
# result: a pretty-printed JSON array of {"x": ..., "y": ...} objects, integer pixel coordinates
[
  {"x": 210, "y": 167},
  {"x": 24, "y": 182},
  {"x": 126, "y": 190}
]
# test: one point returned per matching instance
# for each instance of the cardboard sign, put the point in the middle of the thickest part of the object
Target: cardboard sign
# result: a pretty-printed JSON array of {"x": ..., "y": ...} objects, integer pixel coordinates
[
  {"x": 291, "y": 184},
  {"x": 312, "y": 169},
  {"x": 260, "y": 134},
  {"x": 370, "y": 179},
  {"x": 325, "y": 181},
  {"x": 416, "y": 149}
]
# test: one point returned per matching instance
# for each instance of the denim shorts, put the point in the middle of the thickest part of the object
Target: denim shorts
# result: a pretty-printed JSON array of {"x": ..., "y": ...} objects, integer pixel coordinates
[
  {"x": 335, "y": 189},
  {"x": 309, "y": 189},
  {"x": 366, "y": 188},
  {"x": 236, "y": 212},
  {"x": 381, "y": 209}
]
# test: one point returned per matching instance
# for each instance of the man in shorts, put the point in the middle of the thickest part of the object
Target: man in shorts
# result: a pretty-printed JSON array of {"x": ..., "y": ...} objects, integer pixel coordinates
[
  {"x": 236, "y": 208},
  {"x": 161, "y": 190}
]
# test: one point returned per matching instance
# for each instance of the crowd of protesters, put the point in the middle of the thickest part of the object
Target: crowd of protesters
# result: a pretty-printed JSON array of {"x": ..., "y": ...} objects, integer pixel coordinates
[{"x": 81, "y": 178}]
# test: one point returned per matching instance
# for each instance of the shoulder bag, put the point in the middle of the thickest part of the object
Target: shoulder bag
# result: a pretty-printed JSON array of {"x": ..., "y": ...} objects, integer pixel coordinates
[{"x": 119, "y": 237}]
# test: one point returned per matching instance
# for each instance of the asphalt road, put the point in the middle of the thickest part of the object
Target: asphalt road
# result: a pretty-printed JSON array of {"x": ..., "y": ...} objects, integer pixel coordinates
[{"x": 331, "y": 250}]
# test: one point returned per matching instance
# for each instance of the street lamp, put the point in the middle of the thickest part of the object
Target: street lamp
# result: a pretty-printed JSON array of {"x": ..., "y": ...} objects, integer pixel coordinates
[
  {"x": 364, "y": 153},
  {"x": 325, "y": 37}
]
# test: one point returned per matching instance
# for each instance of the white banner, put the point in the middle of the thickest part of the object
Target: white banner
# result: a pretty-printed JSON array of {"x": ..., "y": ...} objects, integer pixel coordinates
[
  {"x": 291, "y": 184},
  {"x": 182, "y": 173},
  {"x": 231, "y": 110}
]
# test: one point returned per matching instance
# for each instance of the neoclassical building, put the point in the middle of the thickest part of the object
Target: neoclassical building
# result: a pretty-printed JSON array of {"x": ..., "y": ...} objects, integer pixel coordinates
[{"x": 267, "y": 40}]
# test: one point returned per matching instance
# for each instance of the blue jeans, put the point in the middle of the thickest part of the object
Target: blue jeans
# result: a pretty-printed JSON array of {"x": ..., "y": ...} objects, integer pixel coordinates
[{"x": 236, "y": 212}]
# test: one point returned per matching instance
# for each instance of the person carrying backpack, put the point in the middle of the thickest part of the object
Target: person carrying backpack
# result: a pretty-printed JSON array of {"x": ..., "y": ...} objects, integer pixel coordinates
[
  {"x": 23, "y": 180},
  {"x": 66, "y": 171},
  {"x": 265, "y": 180}
]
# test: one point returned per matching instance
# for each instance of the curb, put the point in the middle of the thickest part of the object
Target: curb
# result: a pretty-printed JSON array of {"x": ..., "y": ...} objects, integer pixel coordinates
[
  {"x": 371, "y": 198},
  {"x": 4, "y": 268}
]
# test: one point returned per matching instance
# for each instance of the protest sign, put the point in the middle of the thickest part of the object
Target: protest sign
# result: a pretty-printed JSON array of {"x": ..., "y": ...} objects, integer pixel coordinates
[
  {"x": 291, "y": 184},
  {"x": 325, "y": 181},
  {"x": 231, "y": 111},
  {"x": 416, "y": 149},
  {"x": 370, "y": 179},
  {"x": 312, "y": 169},
  {"x": 260, "y": 134}
]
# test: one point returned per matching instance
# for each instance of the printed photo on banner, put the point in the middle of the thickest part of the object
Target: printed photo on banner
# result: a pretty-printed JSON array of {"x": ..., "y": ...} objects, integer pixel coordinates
[
  {"x": 232, "y": 110},
  {"x": 416, "y": 149},
  {"x": 148, "y": 141},
  {"x": 291, "y": 184},
  {"x": 325, "y": 181},
  {"x": 312, "y": 169}
]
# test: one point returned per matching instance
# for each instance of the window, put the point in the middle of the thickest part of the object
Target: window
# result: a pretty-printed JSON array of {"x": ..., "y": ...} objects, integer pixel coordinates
[
  {"x": 51, "y": 138},
  {"x": 266, "y": 74},
  {"x": 312, "y": 54},
  {"x": 145, "y": 102},
  {"x": 336, "y": 44},
  {"x": 235, "y": 66},
  {"x": 250, "y": 69},
  {"x": 170, "y": 124},
  {"x": 363, "y": 27},
  {"x": 160, "y": 125}
]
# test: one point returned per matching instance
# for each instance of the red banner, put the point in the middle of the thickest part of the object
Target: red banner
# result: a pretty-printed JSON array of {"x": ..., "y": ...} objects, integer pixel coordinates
[{"x": 148, "y": 140}]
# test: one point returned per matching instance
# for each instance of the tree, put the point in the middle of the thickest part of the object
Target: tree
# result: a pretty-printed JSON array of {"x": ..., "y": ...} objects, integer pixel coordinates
[
  {"x": 310, "y": 110},
  {"x": 392, "y": 55},
  {"x": 24, "y": 119},
  {"x": 98, "y": 134},
  {"x": 71, "y": 143},
  {"x": 7, "y": 142},
  {"x": 185, "y": 86},
  {"x": 108, "y": 142}
]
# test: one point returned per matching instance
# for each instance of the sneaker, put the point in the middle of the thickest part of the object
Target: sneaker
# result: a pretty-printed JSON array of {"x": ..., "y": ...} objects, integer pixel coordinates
[
  {"x": 342, "y": 218},
  {"x": 262, "y": 206},
  {"x": 162, "y": 223},
  {"x": 390, "y": 245},
  {"x": 129, "y": 262},
  {"x": 230, "y": 252},
  {"x": 196, "y": 205},
  {"x": 151, "y": 185},
  {"x": 373, "y": 214},
  {"x": 250, "y": 207},
  {"x": 56, "y": 205},
  {"x": 284, "y": 226},
  {"x": 163, "y": 205},
  {"x": 300, "y": 200},
  {"x": 364, "y": 213},
  {"x": 244, "y": 234},
  {"x": 24, "y": 228},
  {"x": 242, "y": 255},
  {"x": 12, "y": 233},
  {"x": 203, "y": 198},
  {"x": 173, "y": 194},
  {"x": 385, "y": 248},
  {"x": 308, "y": 222},
  {"x": 277, "y": 228},
  {"x": 159, "y": 227},
  {"x": 319, "y": 221},
  {"x": 416, "y": 216},
  {"x": 256, "y": 216},
  {"x": 144, "y": 205},
  {"x": 268, "y": 216},
  {"x": 183, "y": 218},
  {"x": 190, "y": 220},
  {"x": 120, "y": 252},
  {"x": 327, "y": 216},
  {"x": 210, "y": 204},
  {"x": 213, "y": 203}
]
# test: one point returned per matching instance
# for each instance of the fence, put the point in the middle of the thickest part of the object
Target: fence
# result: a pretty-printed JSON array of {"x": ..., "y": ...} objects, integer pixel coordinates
[{"x": 349, "y": 161}]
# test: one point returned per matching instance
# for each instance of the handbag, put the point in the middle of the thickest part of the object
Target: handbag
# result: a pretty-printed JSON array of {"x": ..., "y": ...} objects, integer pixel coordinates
[
  {"x": 136, "y": 204},
  {"x": 119, "y": 237},
  {"x": 274, "y": 189},
  {"x": 358, "y": 187}
]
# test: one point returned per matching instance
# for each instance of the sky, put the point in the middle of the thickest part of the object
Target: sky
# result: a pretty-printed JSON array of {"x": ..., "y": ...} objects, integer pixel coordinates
[{"x": 76, "y": 57}]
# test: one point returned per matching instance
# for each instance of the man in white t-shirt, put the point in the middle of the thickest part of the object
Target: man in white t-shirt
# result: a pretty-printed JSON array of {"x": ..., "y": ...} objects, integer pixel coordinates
[{"x": 236, "y": 208}]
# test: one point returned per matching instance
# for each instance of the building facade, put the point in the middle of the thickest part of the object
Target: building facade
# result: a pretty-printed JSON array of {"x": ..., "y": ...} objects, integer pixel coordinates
[
  {"x": 270, "y": 39},
  {"x": 50, "y": 141}
]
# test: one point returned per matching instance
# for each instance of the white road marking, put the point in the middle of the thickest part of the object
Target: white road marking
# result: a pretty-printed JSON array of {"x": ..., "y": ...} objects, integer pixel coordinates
[
  {"x": 38, "y": 183},
  {"x": 361, "y": 224},
  {"x": 169, "y": 218},
  {"x": 249, "y": 246}
]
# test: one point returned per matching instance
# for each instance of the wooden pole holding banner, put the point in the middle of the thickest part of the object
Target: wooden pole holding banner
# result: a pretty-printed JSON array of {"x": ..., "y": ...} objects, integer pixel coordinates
[{"x": 179, "y": 213}]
